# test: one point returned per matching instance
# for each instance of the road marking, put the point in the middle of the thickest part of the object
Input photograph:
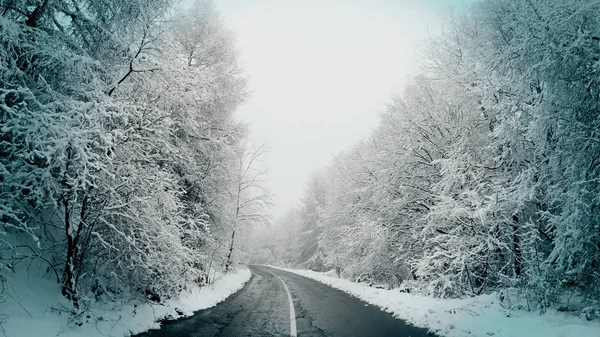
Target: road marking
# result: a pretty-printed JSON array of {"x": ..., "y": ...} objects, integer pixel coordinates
[{"x": 293, "y": 332}]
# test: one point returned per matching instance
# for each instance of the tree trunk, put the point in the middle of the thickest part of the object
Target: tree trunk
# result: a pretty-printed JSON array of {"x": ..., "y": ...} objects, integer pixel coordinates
[
  {"x": 36, "y": 14},
  {"x": 517, "y": 246},
  {"x": 228, "y": 263},
  {"x": 69, "y": 287}
]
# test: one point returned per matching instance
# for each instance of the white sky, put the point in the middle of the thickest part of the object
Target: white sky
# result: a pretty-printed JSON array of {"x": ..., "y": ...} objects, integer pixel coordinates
[{"x": 320, "y": 73}]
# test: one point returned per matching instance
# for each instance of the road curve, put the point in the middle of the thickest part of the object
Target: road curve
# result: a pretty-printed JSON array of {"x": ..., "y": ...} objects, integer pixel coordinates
[{"x": 262, "y": 308}]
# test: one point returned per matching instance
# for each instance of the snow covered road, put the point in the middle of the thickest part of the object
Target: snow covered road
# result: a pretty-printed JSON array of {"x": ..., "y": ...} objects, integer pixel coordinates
[{"x": 262, "y": 308}]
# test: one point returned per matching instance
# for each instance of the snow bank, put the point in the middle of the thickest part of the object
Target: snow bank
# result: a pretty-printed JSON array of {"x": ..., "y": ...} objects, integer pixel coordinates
[
  {"x": 480, "y": 316},
  {"x": 35, "y": 308}
]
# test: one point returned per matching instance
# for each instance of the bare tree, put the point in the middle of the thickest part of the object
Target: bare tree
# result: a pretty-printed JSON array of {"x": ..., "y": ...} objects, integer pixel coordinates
[{"x": 252, "y": 199}]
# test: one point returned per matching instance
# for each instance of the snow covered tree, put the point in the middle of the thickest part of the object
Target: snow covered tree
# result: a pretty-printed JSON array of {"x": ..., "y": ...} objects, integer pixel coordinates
[
  {"x": 310, "y": 254},
  {"x": 55, "y": 146},
  {"x": 116, "y": 148},
  {"x": 483, "y": 174},
  {"x": 252, "y": 199}
]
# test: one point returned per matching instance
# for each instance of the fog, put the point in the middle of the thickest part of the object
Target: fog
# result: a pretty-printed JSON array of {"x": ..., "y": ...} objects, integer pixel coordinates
[{"x": 320, "y": 73}]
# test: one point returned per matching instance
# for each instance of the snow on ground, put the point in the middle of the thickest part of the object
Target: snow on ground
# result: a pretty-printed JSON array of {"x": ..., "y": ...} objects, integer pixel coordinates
[
  {"x": 34, "y": 307},
  {"x": 481, "y": 316}
]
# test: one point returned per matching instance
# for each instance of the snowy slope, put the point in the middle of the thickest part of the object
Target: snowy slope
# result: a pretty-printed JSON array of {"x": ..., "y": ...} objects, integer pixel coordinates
[
  {"x": 33, "y": 307},
  {"x": 480, "y": 316}
]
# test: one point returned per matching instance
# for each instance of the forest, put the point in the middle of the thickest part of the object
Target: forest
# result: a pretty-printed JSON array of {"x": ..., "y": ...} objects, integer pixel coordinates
[
  {"x": 122, "y": 169},
  {"x": 124, "y": 172},
  {"x": 482, "y": 176}
]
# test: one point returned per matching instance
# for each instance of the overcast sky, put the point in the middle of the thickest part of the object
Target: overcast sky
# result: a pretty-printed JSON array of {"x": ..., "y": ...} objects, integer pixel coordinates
[{"x": 320, "y": 73}]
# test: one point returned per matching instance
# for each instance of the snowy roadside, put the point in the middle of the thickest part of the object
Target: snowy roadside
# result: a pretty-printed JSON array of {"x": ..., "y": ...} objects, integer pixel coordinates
[
  {"x": 480, "y": 316},
  {"x": 35, "y": 310}
]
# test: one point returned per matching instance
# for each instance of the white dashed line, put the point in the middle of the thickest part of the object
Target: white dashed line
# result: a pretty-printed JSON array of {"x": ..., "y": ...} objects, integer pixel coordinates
[{"x": 293, "y": 332}]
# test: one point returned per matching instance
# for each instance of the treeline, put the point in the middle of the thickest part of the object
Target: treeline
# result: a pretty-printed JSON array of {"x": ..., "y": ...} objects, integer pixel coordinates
[
  {"x": 483, "y": 175},
  {"x": 120, "y": 161}
]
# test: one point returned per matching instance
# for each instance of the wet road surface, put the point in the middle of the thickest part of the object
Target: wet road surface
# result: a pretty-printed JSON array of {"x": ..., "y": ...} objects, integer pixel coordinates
[{"x": 261, "y": 308}]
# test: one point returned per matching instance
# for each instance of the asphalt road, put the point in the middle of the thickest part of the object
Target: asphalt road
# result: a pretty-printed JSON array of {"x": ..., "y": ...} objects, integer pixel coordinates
[{"x": 262, "y": 308}]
